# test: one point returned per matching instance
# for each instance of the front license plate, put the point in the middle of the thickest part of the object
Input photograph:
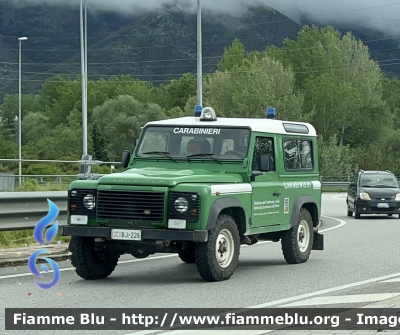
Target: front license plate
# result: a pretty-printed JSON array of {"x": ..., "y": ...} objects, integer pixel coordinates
[
  {"x": 382, "y": 205},
  {"x": 125, "y": 234}
]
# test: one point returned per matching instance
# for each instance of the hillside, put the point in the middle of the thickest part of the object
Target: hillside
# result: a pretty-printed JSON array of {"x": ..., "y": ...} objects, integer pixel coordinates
[{"x": 153, "y": 47}]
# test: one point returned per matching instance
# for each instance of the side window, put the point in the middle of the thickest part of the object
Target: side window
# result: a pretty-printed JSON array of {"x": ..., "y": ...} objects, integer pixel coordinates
[
  {"x": 262, "y": 146},
  {"x": 298, "y": 154}
]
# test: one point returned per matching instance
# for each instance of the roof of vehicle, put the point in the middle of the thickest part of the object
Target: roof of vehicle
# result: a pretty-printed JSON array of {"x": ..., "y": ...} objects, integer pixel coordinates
[
  {"x": 376, "y": 171},
  {"x": 259, "y": 125}
]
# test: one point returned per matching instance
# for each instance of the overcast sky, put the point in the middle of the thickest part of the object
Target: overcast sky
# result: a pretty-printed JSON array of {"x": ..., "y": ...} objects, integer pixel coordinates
[{"x": 379, "y": 14}]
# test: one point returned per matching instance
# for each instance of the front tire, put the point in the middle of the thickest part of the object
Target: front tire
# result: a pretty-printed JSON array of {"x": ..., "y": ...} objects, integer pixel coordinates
[
  {"x": 188, "y": 255},
  {"x": 90, "y": 263},
  {"x": 217, "y": 258},
  {"x": 349, "y": 212},
  {"x": 356, "y": 212},
  {"x": 297, "y": 242}
]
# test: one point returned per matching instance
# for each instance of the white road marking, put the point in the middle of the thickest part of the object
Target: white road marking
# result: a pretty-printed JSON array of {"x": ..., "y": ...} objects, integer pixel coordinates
[
  {"x": 329, "y": 290},
  {"x": 281, "y": 302},
  {"x": 343, "y": 299},
  {"x": 342, "y": 223},
  {"x": 394, "y": 280},
  {"x": 339, "y": 196}
]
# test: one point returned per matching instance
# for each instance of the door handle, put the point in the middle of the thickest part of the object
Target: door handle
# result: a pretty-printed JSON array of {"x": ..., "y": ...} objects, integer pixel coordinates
[{"x": 276, "y": 194}]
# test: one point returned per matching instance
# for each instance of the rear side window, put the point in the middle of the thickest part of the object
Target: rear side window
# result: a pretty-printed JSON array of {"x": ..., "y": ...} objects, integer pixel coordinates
[{"x": 298, "y": 154}]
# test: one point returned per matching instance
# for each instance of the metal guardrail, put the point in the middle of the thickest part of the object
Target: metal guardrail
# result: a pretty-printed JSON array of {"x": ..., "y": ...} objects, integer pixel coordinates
[
  {"x": 22, "y": 210},
  {"x": 335, "y": 184}
]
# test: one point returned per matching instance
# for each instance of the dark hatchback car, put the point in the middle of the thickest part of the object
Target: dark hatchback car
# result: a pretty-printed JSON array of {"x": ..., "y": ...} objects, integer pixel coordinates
[{"x": 373, "y": 192}]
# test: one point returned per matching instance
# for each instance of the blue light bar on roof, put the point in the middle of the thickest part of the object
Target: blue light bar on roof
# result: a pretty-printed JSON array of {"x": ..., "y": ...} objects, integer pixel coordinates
[
  {"x": 271, "y": 113},
  {"x": 197, "y": 110}
]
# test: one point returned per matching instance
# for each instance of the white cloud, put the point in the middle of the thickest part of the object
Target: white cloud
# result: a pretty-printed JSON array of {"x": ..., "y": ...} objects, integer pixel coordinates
[{"x": 384, "y": 17}]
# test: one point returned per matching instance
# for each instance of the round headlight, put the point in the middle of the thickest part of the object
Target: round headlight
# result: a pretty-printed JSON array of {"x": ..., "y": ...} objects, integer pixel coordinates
[
  {"x": 181, "y": 205},
  {"x": 88, "y": 201}
]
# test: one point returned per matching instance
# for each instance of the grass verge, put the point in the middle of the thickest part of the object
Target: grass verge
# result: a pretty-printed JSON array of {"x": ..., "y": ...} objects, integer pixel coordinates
[{"x": 23, "y": 238}]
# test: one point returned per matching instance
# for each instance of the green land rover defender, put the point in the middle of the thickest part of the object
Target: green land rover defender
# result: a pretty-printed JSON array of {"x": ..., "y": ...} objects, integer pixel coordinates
[{"x": 201, "y": 187}]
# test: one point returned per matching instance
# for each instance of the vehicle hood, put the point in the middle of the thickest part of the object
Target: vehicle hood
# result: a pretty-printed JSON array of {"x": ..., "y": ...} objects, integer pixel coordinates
[
  {"x": 167, "y": 177},
  {"x": 380, "y": 192}
]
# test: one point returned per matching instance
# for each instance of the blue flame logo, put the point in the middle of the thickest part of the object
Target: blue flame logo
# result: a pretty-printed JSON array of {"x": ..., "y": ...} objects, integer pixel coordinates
[{"x": 38, "y": 236}]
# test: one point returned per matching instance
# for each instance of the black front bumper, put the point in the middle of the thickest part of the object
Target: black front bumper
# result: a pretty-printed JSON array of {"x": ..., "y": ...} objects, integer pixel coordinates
[
  {"x": 371, "y": 207},
  {"x": 147, "y": 234}
]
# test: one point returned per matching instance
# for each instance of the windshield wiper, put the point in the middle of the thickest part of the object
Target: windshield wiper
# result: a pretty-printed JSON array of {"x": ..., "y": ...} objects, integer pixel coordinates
[
  {"x": 210, "y": 155},
  {"x": 164, "y": 153}
]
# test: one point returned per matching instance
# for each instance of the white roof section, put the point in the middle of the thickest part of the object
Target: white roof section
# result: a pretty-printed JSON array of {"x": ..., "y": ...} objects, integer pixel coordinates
[{"x": 263, "y": 125}]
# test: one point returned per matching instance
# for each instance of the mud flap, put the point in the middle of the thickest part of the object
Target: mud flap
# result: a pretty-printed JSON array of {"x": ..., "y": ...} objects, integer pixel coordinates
[{"x": 318, "y": 243}]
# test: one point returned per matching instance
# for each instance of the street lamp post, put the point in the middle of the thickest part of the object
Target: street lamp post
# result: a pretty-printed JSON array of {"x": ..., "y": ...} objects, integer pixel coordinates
[
  {"x": 198, "y": 108},
  {"x": 85, "y": 169},
  {"x": 199, "y": 58},
  {"x": 83, "y": 26},
  {"x": 21, "y": 39}
]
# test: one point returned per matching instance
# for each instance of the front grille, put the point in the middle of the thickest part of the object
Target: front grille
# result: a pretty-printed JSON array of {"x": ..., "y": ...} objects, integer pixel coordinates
[{"x": 130, "y": 205}]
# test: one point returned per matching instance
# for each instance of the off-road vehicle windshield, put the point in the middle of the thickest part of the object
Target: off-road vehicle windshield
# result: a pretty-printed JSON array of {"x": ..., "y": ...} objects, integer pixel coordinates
[
  {"x": 187, "y": 142},
  {"x": 381, "y": 180}
]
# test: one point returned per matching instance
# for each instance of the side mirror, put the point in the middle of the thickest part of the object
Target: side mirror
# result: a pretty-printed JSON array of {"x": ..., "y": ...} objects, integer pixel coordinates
[
  {"x": 126, "y": 157},
  {"x": 265, "y": 163},
  {"x": 352, "y": 184}
]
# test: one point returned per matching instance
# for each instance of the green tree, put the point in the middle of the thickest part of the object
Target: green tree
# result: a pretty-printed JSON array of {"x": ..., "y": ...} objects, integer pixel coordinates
[
  {"x": 233, "y": 55},
  {"x": 99, "y": 145},
  {"x": 247, "y": 91},
  {"x": 177, "y": 92},
  {"x": 10, "y": 107},
  {"x": 336, "y": 162},
  {"x": 34, "y": 126},
  {"x": 118, "y": 120},
  {"x": 342, "y": 85}
]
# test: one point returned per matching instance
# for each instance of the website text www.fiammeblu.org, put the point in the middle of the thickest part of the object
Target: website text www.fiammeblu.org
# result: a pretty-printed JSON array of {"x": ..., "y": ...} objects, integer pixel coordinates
[
  {"x": 260, "y": 319},
  {"x": 232, "y": 319}
]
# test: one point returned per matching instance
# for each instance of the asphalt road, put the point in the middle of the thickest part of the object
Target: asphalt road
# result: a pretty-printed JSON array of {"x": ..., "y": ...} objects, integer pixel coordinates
[{"x": 356, "y": 253}]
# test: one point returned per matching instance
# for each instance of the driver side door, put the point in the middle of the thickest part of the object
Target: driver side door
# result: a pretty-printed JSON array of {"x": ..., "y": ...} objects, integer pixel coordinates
[{"x": 267, "y": 198}]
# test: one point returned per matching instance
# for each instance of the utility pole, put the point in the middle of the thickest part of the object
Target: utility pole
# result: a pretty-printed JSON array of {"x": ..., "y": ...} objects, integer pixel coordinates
[
  {"x": 85, "y": 169},
  {"x": 83, "y": 27},
  {"x": 198, "y": 108},
  {"x": 21, "y": 39}
]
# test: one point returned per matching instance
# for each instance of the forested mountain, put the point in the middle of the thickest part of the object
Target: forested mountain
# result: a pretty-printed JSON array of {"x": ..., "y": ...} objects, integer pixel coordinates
[{"x": 155, "y": 47}]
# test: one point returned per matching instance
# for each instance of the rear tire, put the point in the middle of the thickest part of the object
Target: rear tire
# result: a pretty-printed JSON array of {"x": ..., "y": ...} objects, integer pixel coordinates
[
  {"x": 297, "y": 241},
  {"x": 217, "y": 258},
  {"x": 90, "y": 263}
]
